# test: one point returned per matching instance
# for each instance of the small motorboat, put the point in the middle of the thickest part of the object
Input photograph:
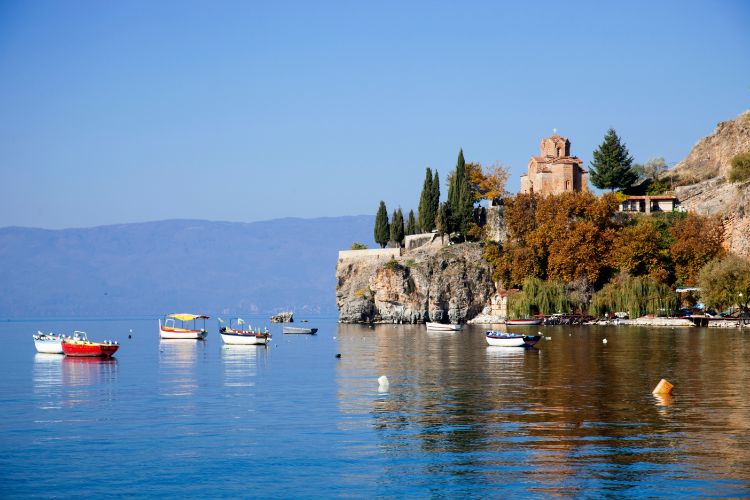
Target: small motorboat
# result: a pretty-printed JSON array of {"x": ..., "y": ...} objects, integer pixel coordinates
[
  {"x": 524, "y": 321},
  {"x": 298, "y": 329},
  {"x": 170, "y": 330},
  {"x": 80, "y": 346},
  {"x": 505, "y": 339},
  {"x": 48, "y": 343},
  {"x": 444, "y": 327},
  {"x": 240, "y": 336}
]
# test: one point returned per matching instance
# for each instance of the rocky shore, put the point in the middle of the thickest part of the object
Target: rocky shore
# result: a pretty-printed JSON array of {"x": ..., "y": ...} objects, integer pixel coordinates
[{"x": 446, "y": 284}]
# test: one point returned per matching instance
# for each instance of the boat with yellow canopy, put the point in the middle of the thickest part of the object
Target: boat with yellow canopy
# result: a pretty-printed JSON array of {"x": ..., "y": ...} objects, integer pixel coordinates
[{"x": 186, "y": 330}]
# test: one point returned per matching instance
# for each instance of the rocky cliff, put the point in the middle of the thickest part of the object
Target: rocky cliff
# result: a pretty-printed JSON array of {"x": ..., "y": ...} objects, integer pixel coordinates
[
  {"x": 705, "y": 189},
  {"x": 451, "y": 283}
]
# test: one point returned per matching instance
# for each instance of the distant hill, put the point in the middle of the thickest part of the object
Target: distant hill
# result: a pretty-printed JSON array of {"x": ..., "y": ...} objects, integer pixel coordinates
[{"x": 176, "y": 265}]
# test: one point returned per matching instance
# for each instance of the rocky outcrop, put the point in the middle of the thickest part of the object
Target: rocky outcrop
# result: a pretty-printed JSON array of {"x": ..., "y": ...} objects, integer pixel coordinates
[
  {"x": 283, "y": 317},
  {"x": 452, "y": 283},
  {"x": 708, "y": 164}
]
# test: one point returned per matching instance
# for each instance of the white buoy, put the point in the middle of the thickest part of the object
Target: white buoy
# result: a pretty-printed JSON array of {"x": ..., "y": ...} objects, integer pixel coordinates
[
  {"x": 547, "y": 338},
  {"x": 383, "y": 384},
  {"x": 604, "y": 341}
]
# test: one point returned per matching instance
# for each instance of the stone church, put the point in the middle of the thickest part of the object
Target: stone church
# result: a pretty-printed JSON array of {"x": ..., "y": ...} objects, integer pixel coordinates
[{"x": 554, "y": 171}]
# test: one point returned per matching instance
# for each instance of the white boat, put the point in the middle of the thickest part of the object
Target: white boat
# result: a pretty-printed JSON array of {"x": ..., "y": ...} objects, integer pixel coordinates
[
  {"x": 504, "y": 339},
  {"x": 443, "y": 327},
  {"x": 238, "y": 336},
  {"x": 297, "y": 329},
  {"x": 170, "y": 330},
  {"x": 48, "y": 343}
]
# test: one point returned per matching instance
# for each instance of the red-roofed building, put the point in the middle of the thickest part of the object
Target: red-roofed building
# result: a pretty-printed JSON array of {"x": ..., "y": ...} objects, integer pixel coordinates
[{"x": 554, "y": 171}]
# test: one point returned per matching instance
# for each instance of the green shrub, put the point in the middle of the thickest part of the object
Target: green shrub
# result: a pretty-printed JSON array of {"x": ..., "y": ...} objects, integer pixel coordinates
[
  {"x": 358, "y": 246},
  {"x": 740, "y": 171}
]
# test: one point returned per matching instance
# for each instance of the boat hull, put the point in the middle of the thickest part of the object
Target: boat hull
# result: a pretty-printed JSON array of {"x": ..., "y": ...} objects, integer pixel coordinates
[
  {"x": 48, "y": 346},
  {"x": 181, "y": 333},
  {"x": 523, "y": 322},
  {"x": 442, "y": 327},
  {"x": 502, "y": 339},
  {"x": 89, "y": 350},
  {"x": 244, "y": 339},
  {"x": 299, "y": 330}
]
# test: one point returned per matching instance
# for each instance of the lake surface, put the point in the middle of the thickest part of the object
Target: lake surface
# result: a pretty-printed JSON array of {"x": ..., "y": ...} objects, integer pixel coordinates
[{"x": 574, "y": 417}]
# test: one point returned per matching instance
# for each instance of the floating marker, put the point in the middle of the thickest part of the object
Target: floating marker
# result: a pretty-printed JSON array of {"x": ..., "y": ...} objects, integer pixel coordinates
[
  {"x": 547, "y": 338},
  {"x": 604, "y": 341},
  {"x": 663, "y": 387},
  {"x": 383, "y": 384}
]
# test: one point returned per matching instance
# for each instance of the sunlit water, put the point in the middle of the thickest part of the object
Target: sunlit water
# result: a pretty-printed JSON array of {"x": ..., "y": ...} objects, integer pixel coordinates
[{"x": 574, "y": 417}]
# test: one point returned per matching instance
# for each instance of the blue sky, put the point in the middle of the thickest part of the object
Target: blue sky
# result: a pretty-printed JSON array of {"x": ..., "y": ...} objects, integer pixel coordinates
[{"x": 114, "y": 112}]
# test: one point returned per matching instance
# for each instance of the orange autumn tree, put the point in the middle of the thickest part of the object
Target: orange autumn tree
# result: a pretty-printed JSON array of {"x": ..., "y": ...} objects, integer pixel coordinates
[
  {"x": 639, "y": 250},
  {"x": 697, "y": 240}
]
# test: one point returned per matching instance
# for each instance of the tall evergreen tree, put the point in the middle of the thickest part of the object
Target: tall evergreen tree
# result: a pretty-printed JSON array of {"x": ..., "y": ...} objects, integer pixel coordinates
[
  {"x": 411, "y": 224},
  {"x": 382, "y": 228},
  {"x": 435, "y": 196},
  {"x": 397, "y": 227},
  {"x": 612, "y": 165},
  {"x": 426, "y": 214},
  {"x": 442, "y": 220},
  {"x": 460, "y": 200}
]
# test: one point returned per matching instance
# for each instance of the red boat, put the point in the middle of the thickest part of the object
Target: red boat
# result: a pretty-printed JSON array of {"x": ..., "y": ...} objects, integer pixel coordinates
[{"x": 81, "y": 346}]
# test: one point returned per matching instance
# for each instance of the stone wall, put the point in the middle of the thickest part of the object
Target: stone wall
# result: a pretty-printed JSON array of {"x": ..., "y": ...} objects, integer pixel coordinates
[
  {"x": 374, "y": 254},
  {"x": 414, "y": 241}
]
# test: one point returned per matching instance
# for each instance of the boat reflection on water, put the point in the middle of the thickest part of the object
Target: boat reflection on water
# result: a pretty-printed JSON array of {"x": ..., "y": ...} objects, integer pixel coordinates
[
  {"x": 241, "y": 364},
  {"x": 177, "y": 360},
  {"x": 47, "y": 379},
  {"x": 88, "y": 371}
]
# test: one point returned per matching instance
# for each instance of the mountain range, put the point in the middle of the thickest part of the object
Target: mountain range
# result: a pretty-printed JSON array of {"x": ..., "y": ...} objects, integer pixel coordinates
[{"x": 176, "y": 266}]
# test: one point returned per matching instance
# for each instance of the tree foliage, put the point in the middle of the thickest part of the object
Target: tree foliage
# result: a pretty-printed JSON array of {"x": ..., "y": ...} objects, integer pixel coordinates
[
  {"x": 635, "y": 295},
  {"x": 611, "y": 167},
  {"x": 740, "y": 171},
  {"x": 382, "y": 227},
  {"x": 641, "y": 249},
  {"x": 435, "y": 197},
  {"x": 397, "y": 227},
  {"x": 460, "y": 199},
  {"x": 697, "y": 240},
  {"x": 411, "y": 224},
  {"x": 358, "y": 246},
  {"x": 443, "y": 220},
  {"x": 426, "y": 211},
  {"x": 723, "y": 280},
  {"x": 539, "y": 297}
]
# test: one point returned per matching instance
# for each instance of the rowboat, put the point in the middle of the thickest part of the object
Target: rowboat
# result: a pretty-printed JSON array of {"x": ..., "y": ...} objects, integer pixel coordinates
[
  {"x": 445, "y": 327},
  {"x": 81, "y": 346},
  {"x": 505, "y": 339},
  {"x": 239, "y": 336},
  {"x": 48, "y": 343},
  {"x": 169, "y": 330},
  {"x": 298, "y": 329},
  {"x": 524, "y": 322}
]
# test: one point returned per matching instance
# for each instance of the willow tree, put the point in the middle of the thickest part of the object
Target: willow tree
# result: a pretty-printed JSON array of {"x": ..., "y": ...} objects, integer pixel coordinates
[
  {"x": 635, "y": 295},
  {"x": 539, "y": 297}
]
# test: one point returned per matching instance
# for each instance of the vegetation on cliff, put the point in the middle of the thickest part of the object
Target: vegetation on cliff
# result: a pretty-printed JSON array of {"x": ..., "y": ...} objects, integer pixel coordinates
[{"x": 580, "y": 245}]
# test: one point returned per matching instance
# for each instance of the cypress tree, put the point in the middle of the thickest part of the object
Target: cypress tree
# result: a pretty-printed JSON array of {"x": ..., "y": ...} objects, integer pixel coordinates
[
  {"x": 411, "y": 224},
  {"x": 612, "y": 165},
  {"x": 435, "y": 196},
  {"x": 441, "y": 221},
  {"x": 397, "y": 227},
  {"x": 382, "y": 228},
  {"x": 426, "y": 215},
  {"x": 460, "y": 201}
]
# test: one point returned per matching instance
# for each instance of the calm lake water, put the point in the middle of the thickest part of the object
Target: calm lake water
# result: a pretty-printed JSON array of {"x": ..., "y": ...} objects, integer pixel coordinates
[{"x": 574, "y": 417}]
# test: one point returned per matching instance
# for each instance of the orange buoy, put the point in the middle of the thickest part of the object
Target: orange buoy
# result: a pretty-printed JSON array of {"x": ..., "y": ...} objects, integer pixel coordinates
[{"x": 663, "y": 387}]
